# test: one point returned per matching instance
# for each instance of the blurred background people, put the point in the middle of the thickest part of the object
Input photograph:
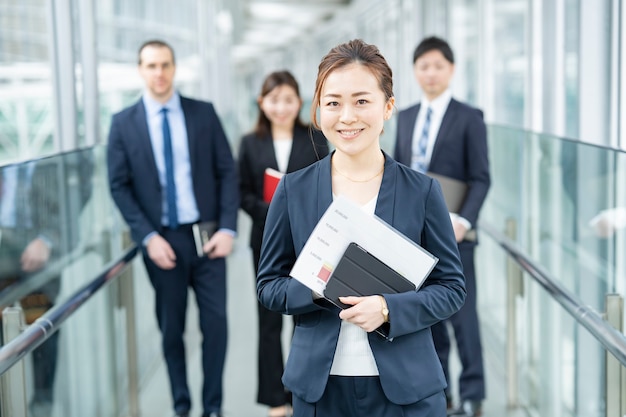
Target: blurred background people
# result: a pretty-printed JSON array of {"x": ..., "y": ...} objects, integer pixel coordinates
[
  {"x": 280, "y": 141},
  {"x": 170, "y": 166},
  {"x": 446, "y": 137}
]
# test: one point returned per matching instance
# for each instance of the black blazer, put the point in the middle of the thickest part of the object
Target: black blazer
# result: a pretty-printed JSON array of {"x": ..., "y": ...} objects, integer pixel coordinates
[
  {"x": 460, "y": 151},
  {"x": 256, "y": 154},
  {"x": 133, "y": 174}
]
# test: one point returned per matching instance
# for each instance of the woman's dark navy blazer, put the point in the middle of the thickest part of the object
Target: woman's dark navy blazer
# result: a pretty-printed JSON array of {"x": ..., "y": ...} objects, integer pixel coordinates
[{"x": 413, "y": 204}]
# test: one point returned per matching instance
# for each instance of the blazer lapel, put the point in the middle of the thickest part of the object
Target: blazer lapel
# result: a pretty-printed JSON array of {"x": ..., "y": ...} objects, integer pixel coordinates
[
  {"x": 297, "y": 146},
  {"x": 447, "y": 123},
  {"x": 386, "y": 195},
  {"x": 411, "y": 122},
  {"x": 324, "y": 187},
  {"x": 191, "y": 133},
  {"x": 143, "y": 138},
  {"x": 267, "y": 153},
  {"x": 410, "y": 131}
]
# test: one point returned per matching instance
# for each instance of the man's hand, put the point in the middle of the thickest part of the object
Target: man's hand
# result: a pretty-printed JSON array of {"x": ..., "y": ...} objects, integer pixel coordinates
[
  {"x": 35, "y": 255},
  {"x": 161, "y": 253},
  {"x": 459, "y": 230},
  {"x": 604, "y": 227},
  {"x": 219, "y": 246},
  {"x": 366, "y": 312},
  {"x": 606, "y": 223}
]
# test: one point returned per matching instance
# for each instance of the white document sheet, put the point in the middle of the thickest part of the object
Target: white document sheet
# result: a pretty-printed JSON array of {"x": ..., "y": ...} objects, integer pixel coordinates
[{"x": 346, "y": 222}]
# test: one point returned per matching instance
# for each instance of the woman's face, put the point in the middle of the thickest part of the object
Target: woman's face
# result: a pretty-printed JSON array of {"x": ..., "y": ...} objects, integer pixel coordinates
[
  {"x": 353, "y": 109},
  {"x": 281, "y": 106}
]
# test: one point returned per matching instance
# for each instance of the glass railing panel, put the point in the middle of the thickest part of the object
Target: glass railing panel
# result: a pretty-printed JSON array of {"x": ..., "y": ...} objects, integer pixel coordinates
[
  {"x": 502, "y": 205},
  {"x": 558, "y": 193},
  {"x": 66, "y": 204},
  {"x": 575, "y": 184},
  {"x": 41, "y": 202}
]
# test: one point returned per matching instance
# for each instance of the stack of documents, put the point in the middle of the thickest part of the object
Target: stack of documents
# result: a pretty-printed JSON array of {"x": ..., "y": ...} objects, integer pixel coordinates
[{"x": 380, "y": 252}]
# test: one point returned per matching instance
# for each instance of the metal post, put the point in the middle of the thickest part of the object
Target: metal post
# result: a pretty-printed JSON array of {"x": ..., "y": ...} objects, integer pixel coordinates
[
  {"x": 61, "y": 37},
  {"x": 514, "y": 288},
  {"x": 13, "y": 381},
  {"x": 615, "y": 374},
  {"x": 89, "y": 61},
  {"x": 623, "y": 385},
  {"x": 127, "y": 299}
]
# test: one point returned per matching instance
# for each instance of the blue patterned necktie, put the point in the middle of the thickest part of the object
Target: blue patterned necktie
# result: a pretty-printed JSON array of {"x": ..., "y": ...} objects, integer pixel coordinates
[
  {"x": 419, "y": 162},
  {"x": 172, "y": 211}
]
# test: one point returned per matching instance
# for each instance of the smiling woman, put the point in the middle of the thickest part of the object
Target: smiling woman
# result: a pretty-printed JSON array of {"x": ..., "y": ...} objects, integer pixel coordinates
[
  {"x": 350, "y": 117},
  {"x": 333, "y": 350}
]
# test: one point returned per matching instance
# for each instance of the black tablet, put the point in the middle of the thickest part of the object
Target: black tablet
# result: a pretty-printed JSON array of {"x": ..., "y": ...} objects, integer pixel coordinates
[{"x": 359, "y": 273}]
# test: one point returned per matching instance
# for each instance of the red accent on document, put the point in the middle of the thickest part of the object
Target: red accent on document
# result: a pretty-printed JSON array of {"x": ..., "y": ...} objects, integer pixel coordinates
[
  {"x": 325, "y": 272},
  {"x": 270, "y": 182}
]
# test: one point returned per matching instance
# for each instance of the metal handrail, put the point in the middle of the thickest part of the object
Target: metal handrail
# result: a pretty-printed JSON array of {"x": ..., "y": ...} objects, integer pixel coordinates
[
  {"x": 611, "y": 338},
  {"x": 46, "y": 325}
]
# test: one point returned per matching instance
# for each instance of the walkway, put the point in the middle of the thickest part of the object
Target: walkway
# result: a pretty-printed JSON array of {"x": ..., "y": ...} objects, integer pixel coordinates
[{"x": 240, "y": 374}]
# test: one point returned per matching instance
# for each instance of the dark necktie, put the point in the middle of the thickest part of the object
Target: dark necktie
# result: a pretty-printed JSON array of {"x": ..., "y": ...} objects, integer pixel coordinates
[
  {"x": 419, "y": 160},
  {"x": 172, "y": 212}
]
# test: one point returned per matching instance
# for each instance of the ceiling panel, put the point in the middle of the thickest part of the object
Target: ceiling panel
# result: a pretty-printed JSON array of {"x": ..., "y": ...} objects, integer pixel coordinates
[{"x": 265, "y": 25}]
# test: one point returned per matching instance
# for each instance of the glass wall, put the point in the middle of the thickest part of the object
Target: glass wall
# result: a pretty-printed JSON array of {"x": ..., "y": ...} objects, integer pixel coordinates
[
  {"x": 526, "y": 64},
  {"x": 531, "y": 67},
  {"x": 58, "y": 231},
  {"x": 554, "y": 68},
  {"x": 66, "y": 66},
  {"x": 572, "y": 225},
  {"x": 26, "y": 110}
]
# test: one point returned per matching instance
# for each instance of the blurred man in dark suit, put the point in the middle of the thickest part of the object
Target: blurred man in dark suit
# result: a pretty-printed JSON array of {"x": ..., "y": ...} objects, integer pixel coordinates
[
  {"x": 170, "y": 167},
  {"x": 446, "y": 137}
]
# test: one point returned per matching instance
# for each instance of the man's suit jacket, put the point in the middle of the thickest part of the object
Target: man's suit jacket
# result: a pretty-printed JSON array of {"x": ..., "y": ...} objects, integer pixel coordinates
[
  {"x": 460, "y": 151},
  {"x": 133, "y": 174},
  {"x": 256, "y": 154},
  {"x": 413, "y": 204}
]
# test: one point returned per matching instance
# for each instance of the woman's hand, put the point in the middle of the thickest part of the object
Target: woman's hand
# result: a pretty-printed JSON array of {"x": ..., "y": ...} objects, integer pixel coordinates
[{"x": 366, "y": 312}]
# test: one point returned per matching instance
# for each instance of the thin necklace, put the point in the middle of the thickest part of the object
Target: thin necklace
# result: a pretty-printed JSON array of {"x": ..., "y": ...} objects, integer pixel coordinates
[{"x": 353, "y": 180}]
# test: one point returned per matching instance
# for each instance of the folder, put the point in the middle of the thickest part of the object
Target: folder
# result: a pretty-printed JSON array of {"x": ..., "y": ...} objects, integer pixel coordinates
[
  {"x": 359, "y": 273},
  {"x": 454, "y": 192},
  {"x": 202, "y": 232},
  {"x": 271, "y": 178},
  {"x": 345, "y": 222}
]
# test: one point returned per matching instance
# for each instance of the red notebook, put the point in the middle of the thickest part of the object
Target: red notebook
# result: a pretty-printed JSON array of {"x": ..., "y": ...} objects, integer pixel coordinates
[{"x": 270, "y": 182}]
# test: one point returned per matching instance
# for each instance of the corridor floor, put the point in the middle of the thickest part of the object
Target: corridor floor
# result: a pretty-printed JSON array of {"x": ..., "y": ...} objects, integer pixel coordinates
[{"x": 240, "y": 372}]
